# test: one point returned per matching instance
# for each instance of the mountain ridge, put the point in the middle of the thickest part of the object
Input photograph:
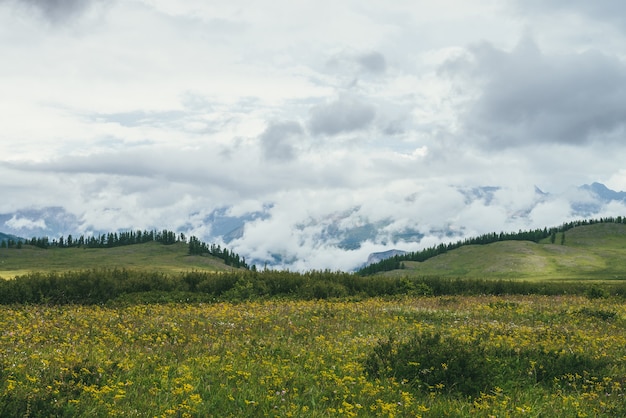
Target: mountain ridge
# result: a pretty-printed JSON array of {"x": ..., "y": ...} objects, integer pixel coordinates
[
  {"x": 588, "y": 249},
  {"x": 348, "y": 233}
]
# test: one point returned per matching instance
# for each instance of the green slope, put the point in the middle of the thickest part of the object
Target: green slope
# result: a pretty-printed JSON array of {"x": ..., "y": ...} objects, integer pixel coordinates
[
  {"x": 150, "y": 256},
  {"x": 596, "y": 252}
]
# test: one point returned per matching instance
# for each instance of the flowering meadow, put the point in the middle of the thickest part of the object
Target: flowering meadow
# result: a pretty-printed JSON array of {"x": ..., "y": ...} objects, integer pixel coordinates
[{"x": 489, "y": 356}]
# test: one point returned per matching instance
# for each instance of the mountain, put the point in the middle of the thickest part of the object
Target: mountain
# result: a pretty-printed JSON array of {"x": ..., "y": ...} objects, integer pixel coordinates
[
  {"x": 9, "y": 237},
  {"x": 485, "y": 193},
  {"x": 303, "y": 241},
  {"x": 603, "y": 193},
  {"x": 383, "y": 255},
  {"x": 230, "y": 227},
  {"x": 47, "y": 221},
  {"x": 594, "y": 197}
]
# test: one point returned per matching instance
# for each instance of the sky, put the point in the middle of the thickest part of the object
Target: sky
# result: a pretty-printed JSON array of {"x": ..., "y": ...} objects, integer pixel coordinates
[{"x": 155, "y": 113}]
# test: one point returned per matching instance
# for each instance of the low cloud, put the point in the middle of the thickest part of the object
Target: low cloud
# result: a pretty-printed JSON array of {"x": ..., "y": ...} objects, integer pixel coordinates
[{"x": 24, "y": 223}]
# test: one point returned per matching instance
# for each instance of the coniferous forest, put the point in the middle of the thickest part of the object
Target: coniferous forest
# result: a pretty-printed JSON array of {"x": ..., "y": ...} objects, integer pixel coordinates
[{"x": 120, "y": 239}]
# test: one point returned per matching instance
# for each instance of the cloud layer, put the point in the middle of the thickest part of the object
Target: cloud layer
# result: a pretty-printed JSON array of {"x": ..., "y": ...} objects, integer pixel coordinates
[{"x": 326, "y": 121}]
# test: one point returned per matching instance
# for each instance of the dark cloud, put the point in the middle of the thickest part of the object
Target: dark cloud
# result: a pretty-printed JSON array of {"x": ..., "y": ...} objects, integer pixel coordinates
[
  {"x": 343, "y": 115},
  {"x": 55, "y": 10},
  {"x": 277, "y": 141},
  {"x": 373, "y": 62},
  {"x": 529, "y": 97}
]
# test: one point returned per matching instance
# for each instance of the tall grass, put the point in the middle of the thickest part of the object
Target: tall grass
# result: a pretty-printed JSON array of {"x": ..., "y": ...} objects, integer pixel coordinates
[
  {"x": 412, "y": 356},
  {"x": 99, "y": 286}
]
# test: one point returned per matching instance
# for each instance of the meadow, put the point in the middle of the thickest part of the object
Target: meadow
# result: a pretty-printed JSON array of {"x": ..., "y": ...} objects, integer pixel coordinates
[
  {"x": 151, "y": 256},
  {"x": 400, "y": 356},
  {"x": 582, "y": 253},
  {"x": 505, "y": 329}
]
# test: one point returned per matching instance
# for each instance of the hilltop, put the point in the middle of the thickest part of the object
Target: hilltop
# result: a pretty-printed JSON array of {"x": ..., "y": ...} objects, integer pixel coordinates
[
  {"x": 149, "y": 256},
  {"x": 593, "y": 251}
]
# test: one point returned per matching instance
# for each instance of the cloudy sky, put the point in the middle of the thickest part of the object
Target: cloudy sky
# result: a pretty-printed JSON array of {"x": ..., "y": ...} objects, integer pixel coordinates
[{"x": 154, "y": 113}]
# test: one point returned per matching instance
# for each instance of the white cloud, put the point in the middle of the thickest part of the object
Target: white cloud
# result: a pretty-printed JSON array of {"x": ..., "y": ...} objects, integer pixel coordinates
[
  {"x": 24, "y": 223},
  {"x": 154, "y": 113},
  {"x": 617, "y": 180}
]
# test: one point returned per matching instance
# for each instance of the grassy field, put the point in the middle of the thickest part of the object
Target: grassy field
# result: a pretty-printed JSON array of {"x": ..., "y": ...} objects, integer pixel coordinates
[
  {"x": 394, "y": 356},
  {"x": 150, "y": 256},
  {"x": 546, "y": 356},
  {"x": 592, "y": 252}
]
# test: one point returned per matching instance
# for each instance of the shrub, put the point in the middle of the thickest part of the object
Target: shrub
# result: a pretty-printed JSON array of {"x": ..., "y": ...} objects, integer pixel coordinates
[
  {"x": 431, "y": 361},
  {"x": 596, "y": 292},
  {"x": 602, "y": 314},
  {"x": 434, "y": 362}
]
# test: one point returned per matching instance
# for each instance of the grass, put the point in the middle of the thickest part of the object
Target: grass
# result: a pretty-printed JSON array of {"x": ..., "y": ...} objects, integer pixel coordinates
[
  {"x": 388, "y": 356},
  {"x": 150, "y": 256},
  {"x": 548, "y": 356},
  {"x": 591, "y": 252}
]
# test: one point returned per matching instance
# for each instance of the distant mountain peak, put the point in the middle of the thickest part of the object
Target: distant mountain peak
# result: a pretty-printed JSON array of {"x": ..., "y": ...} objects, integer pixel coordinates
[
  {"x": 383, "y": 255},
  {"x": 603, "y": 192},
  {"x": 485, "y": 193}
]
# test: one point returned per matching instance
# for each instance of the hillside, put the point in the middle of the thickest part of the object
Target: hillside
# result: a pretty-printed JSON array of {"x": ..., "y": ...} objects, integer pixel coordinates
[
  {"x": 151, "y": 256},
  {"x": 8, "y": 237},
  {"x": 593, "y": 251}
]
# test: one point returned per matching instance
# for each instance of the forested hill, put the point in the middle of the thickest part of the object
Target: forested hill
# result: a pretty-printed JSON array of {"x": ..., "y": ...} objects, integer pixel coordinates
[
  {"x": 5, "y": 239},
  {"x": 137, "y": 249},
  {"x": 554, "y": 235}
]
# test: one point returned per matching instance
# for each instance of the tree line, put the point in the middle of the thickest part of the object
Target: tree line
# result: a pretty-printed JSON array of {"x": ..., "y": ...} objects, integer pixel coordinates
[
  {"x": 119, "y": 239},
  {"x": 11, "y": 243},
  {"x": 534, "y": 235},
  {"x": 108, "y": 240},
  {"x": 99, "y": 286},
  {"x": 197, "y": 247}
]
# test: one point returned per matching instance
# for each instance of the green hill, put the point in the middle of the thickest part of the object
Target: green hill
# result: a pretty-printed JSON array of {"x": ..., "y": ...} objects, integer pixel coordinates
[
  {"x": 151, "y": 256},
  {"x": 596, "y": 252},
  {"x": 593, "y": 252},
  {"x": 8, "y": 237}
]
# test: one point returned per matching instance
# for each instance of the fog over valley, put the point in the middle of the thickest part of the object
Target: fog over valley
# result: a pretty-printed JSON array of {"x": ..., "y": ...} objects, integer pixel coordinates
[{"x": 309, "y": 135}]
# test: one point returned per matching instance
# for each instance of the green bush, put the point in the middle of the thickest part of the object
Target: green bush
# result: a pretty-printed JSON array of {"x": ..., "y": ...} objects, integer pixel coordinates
[
  {"x": 596, "y": 292},
  {"x": 101, "y": 285},
  {"x": 602, "y": 314},
  {"x": 433, "y": 362}
]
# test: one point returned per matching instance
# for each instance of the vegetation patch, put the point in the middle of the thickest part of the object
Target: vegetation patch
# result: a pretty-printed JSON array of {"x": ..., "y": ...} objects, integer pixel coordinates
[
  {"x": 100, "y": 286},
  {"x": 468, "y": 367},
  {"x": 461, "y": 356},
  {"x": 581, "y": 249},
  {"x": 602, "y": 314}
]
